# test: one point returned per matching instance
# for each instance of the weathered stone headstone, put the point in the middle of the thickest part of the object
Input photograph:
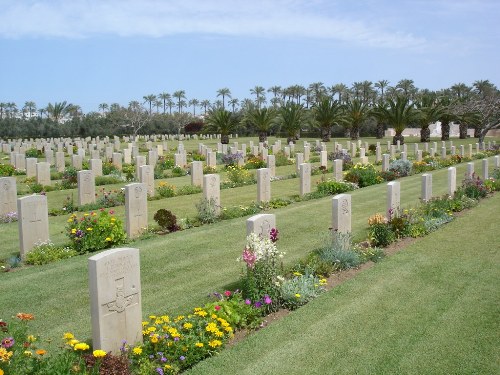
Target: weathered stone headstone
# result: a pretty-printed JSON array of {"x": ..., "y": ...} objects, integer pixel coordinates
[
  {"x": 60, "y": 163},
  {"x": 426, "y": 195},
  {"x": 211, "y": 190},
  {"x": 470, "y": 151},
  {"x": 484, "y": 164},
  {"x": 115, "y": 299},
  {"x": 261, "y": 224},
  {"x": 393, "y": 198},
  {"x": 307, "y": 153},
  {"x": 271, "y": 164},
  {"x": 20, "y": 163},
  {"x": 33, "y": 222},
  {"x": 378, "y": 154},
  {"x": 497, "y": 161},
  {"x": 305, "y": 178},
  {"x": 470, "y": 169},
  {"x": 299, "y": 159},
  {"x": 117, "y": 160},
  {"x": 96, "y": 167},
  {"x": 139, "y": 162},
  {"x": 43, "y": 173},
  {"x": 127, "y": 156},
  {"x": 8, "y": 195},
  {"x": 403, "y": 155},
  {"x": 337, "y": 170},
  {"x": 341, "y": 213},
  {"x": 419, "y": 155},
  {"x": 136, "y": 209},
  {"x": 385, "y": 162},
  {"x": 323, "y": 159},
  {"x": 146, "y": 176},
  {"x": 211, "y": 159},
  {"x": 86, "y": 187},
  {"x": 263, "y": 185},
  {"x": 393, "y": 151},
  {"x": 77, "y": 162},
  {"x": 197, "y": 173},
  {"x": 452, "y": 181},
  {"x": 443, "y": 152}
]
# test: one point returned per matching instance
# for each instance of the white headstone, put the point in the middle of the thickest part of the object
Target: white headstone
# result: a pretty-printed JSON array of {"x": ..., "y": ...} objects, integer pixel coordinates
[
  {"x": 136, "y": 209},
  {"x": 484, "y": 164},
  {"x": 337, "y": 170},
  {"x": 271, "y": 164},
  {"x": 96, "y": 167},
  {"x": 452, "y": 181},
  {"x": 197, "y": 173},
  {"x": 43, "y": 173},
  {"x": 8, "y": 195},
  {"x": 341, "y": 213},
  {"x": 115, "y": 299},
  {"x": 426, "y": 195},
  {"x": 305, "y": 178},
  {"x": 86, "y": 187},
  {"x": 263, "y": 185},
  {"x": 261, "y": 224},
  {"x": 33, "y": 222},
  {"x": 393, "y": 198},
  {"x": 211, "y": 189},
  {"x": 147, "y": 177}
]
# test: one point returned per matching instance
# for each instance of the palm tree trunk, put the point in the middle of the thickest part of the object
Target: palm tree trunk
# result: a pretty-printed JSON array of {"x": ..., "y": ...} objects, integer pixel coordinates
[
  {"x": 445, "y": 131},
  {"x": 463, "y": 130},
  {"x": 326, "y": 134},
  {"x": 347, "y": 132},
  {"x": 380, "y": 131},
  {"x": 224, "y": 139},
  {"x": 425, "y": 134},
  {"x": 262, "y": 136},
  {"x": 355, "y": 133},
  {"x": 398, "y": 137}
]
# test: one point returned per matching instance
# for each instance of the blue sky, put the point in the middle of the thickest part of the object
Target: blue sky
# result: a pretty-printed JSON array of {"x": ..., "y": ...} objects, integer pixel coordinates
[{"x": 113, "y": 51}]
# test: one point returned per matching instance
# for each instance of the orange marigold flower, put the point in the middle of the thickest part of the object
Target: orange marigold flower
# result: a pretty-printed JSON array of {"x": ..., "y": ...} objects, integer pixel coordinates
[
  {"x": 25, "y": 316},
  {"x": 41, "y": 351}
]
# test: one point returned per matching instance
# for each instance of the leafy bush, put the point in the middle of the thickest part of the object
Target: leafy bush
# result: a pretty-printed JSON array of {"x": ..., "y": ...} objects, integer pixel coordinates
[
  {"x": 178, "y": 171},
  {"x": 207, "y": 211},
  {"x": 209, "y": 170},
  {"x": 239, "y": 176},
  {"x": 255, "y": 162},
  {"x": 363, "y": 175},
  {"x": 401, "y": 167},
  {"x": 69, "y": 178},
  {"x": 107, "y": 180},
  {"x": 280, "y": 159},
  {"x": 262, "y": 260},
  {"x": 47, "y": 252},
  {"x": 165, "y": 190},
  {"x": 32, "y": 153},
  {"x": 196, "y": 156},
  {"x": 109, "y": 168},
  {"x": 94, "y": 231},
  {"x": 166, "y": 220},
  {"x": 337, "y": 251},
  {"x": 231, "y": 159},
  {"x": 189, "y": 190},
  {"x": 379, "y": 232},
  {"x": 473, "y": 187},
  {"x": 332, "y": 187},
  {"x": 300, "y": 289},
  {"x": 6, "y": 170},
  {"x": 239, "y": 211},
  {"x": 128, "y": 170},
  {"x": 9, "y": 217}
]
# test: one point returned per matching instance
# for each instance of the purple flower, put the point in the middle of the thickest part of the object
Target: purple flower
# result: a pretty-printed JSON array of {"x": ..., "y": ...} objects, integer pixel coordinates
[
  {"x": 182, "y": 358},
  {"x": 258, "y": 304},
  {"x": 273, "y": 234},
  {"x": 8, "y": 342},
  {"x": 163, "y": 359},
  {"x": 267, "y": 300},
  {"x": 248, "y": 302},
  {"x": 159, "y": 370},
  {"x": 176, "y": 339}
]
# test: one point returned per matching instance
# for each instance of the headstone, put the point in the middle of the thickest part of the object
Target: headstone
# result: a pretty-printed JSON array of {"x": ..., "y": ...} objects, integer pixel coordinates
[
  {"x": 115, "y": 299},
  {"x": 419, "y": 155},
  {"x": 403, "y": 155},
  {"x": 426, "y": 195},
  {"x": 147, "y": 177},
  {"x": 271, "y": 165},
  {"x": 263, "y": 185},
  {"x": 77, "y": 162},
  {"x": 385, "y": 162},
  {"x": 31, "y": 167},
  {"x": 353, "y": 150},
  {"x": 470, "y": 170},
  {"x": 299, "y": 159},
  {"x": 484, "y": 164},
  {"x": 452, "y": 181},
  {"x": 136, "y": 209},
  {"x": 443, "y": 152},
  {"x": 96, "y": 167},
  {"x": 307, "y": 153},
  {"x": 211, "y": 159},
  {"x": 378, "y": 153},
  {"x": 117, "y": 160},
  {"x": 337, "y": 170},
  {"x": 153, "y": 158},
  {"x": 323, "y": 159},
  {"x": 497, "y": 161},
  {"x": 393, "y": 151},
  {"x": 127, "y": 156},
  {"x": 470, "y": 150},
  {"x": 43, "y": 173},
  {"x": 341, "y": 213},
  {"x": 139, "y": 162},
  {"x": 197, "y": 173},
  {"x": 20, "y": 162},
  {"x": 8, "y": 195},
  {"x": 211, "y": 189},
  {"x": 86, "y": 187},
  {"x": 393, "y": 198},
  {"x": 462, "y": 151},
  {"x": 305, "y": 178},
  {"x": 33, "y": 221},
  {"x": 60, "y": 163}
]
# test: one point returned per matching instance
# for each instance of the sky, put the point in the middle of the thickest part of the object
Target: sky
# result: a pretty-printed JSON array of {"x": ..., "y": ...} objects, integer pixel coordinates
[{"x": 89, "y": 52}]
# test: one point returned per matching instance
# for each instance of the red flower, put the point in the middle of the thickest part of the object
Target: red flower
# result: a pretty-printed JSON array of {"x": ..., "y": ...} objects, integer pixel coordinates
[
  {"x": 217, "y": 307},
  {"x": 227, "y": 293}
]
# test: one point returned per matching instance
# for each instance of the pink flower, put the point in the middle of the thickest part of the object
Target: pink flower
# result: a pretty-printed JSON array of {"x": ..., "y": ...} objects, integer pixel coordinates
[
  {"x": 227, "y": 293},
  {"x": 267, "y": 300},
  {"x": 248, "y": 302},
  {"x": 217, "y": 307},
  {"x": 249, "y": 257},
  {"x": 111, "y": 212}
]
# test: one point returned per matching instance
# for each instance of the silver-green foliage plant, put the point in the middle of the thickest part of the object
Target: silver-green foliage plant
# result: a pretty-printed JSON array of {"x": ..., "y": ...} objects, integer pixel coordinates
[
  {"x": 300, "y": 289},
  {"x": 338, "y": 251},
  {"x": 47, "y": 252},
  {"x": 401, "y": 167},
  {"x": 207, "y": 211}
]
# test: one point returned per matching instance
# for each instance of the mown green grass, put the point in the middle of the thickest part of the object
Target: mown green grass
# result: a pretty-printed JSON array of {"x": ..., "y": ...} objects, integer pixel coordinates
[
  {"x": 430, "y": 309},
  {"x": 178, "y": 270}
]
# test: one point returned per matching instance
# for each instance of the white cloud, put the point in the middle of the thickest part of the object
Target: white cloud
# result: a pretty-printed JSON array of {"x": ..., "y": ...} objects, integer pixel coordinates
[{"x": 155, "y": 18}]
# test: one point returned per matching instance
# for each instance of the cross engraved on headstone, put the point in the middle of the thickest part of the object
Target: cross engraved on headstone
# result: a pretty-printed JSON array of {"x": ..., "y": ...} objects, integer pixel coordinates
[
  {"x": 345, "y": 206},
  {"x": 121, "y": 302}
]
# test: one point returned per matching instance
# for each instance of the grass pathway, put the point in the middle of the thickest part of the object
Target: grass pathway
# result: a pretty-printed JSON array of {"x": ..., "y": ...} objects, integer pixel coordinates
[{"x": 432, "y": 308}]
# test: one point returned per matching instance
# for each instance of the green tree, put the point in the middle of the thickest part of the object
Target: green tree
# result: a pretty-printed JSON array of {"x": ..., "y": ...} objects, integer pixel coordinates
[
  {"x": 398, "y": 114},
  {"x": 326, "y": 113},
  {"x": 355, "y": 114},
  {"x": 103, "y": 107},
  {"x": 194, "y": 103},
  {"x": 150, "y": 99},
  {"x": 381, "y": 85},
  {"x": 261, "y": 120},
  {"x": 164, "y": 97},
  {"x": 290, "y": 117},
  {"x": 225, "y": 93},
  {"x": 57, "y": 110},
  {"x": 179, "y": 95},
  {"x": 222, "y": 122},
  {"x": 260, "y": 95},
  {"x": 429, "y": 111}
]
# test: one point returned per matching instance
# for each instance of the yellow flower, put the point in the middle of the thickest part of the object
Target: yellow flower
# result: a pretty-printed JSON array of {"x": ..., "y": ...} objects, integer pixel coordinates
[
  {"x": 73, "y": 342},
  {"x": 145, "y": 324},
  {"x": 31, "y": 338},
  {"x": 27, "y": 353},
  {"x": 85, "y": 214},
  {"x": 70, "y": 220},
  {"x": 199, "y": 345},
  {"x": 108, "y": 238},
  {"x": 81, "y": 346},
  {"x": 167, "y": 367},
  {"x": 154, "y": 339},
  {"x": 113, "y": 219},
  {"x": 187, "y": 325},
  {"x": 73, "y": 231},
  {"x": 297, "y": 274},
  {"x": 297, "y": 295},
  {"x": 214, "y": 343},
  {"x": 99, "y": 353},
  {"x": 137, "y": 350}
]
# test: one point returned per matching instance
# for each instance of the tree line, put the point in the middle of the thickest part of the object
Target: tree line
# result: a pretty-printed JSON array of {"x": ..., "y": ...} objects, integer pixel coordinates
[{"x": 365, "y": 108}]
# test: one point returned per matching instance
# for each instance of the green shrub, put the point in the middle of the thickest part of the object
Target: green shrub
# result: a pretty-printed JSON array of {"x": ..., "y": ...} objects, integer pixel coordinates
[
  {"x": 300, "y": 289},
  {"x": 189, "y": 190},
  {"x": 239, "y": 211},
  {"x": 333, "y": 187},
  {"x": 280, "y": 159},
  {"x": 239, "y": 176},
  {"x": 109, "y": 168},
  {"x": 337, "y": 251},
  {"x": 165, "y": 190},
  {"x": 381, "y": 234},
  {"x": 107, "y": 180},
  {"x": 69, "y": 178},
  {"x": 128, "y": 170},
  {"x": 473, "y": 187},
  {"x": 207, "y": 211},
  {"x": 401, "y": 167},
  {"x": 363, "y": 175},
  {"x": 6, "y": 170},
  {"x": 178, "y": 171},
  {"x": 47, "y": 252},
  {"x": 95, "y": 231},
  {"x": 166, "y": 220},
  {"x": 255, "y": 162},
  {"x": 33, "y": 153}
]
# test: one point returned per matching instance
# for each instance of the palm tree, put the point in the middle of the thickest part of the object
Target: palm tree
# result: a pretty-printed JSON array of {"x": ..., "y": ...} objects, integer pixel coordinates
[
  {"x": 165, "y": 97},
  {"x": 429, "y": 112},
  {"x": 446, "y": 117},
  {"x": 398, "y": 115},
  {"x": 276, "y": 90},
  {"x": 233, "y": 103},
  {"x": 460, "y": 90},
  {"x": 290, "y": 117},
  {"x": 326, "y": 113},
  {"x": 381, "y": 85},
  {"x": 367, "y": 91},
  {"x": 356, "y": 112},
  {"x": 158, "y": 104},
  {"x": 261, "y": 120},
  {"x": 57, "y": 111},
  {"x": 484, "y": 87},
  {"x": 42, "y": 111},
  {"x": 222, "y": 122},
  {"x": 149, "y": 99},
  {"x": 179, "y": 95},
  {"x": 224, "y": 92},
  {"x": 260, "y": 94},
  {"x": 318, "y": 90},
  {"x": 170, "y": 104},
  {"x": 205, "y": 104},
  {"x": 194, "y": 103},
  {"x": 103, "y": 107},
  {"x": 407, "y": 87}
]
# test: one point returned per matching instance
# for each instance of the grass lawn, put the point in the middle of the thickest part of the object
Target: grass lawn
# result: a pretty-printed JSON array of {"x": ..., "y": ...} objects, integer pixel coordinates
[{"x": 432, "y": 308}]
